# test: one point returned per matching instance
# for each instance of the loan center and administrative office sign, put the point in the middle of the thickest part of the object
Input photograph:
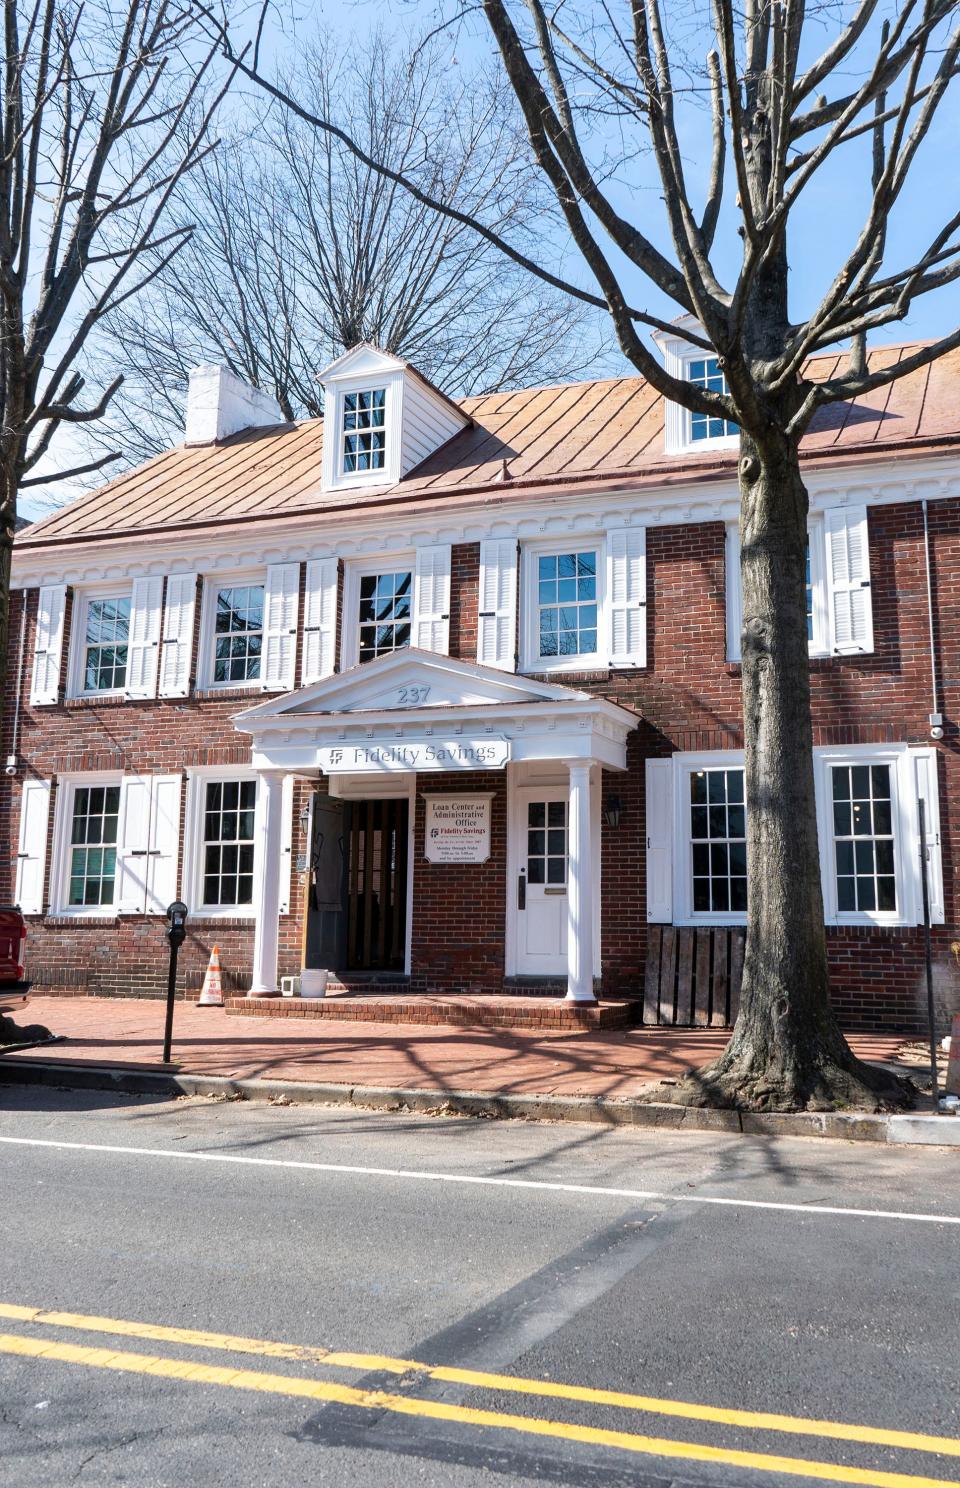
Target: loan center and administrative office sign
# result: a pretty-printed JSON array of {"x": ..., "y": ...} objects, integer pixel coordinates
[{"x": 457, "y": 829}]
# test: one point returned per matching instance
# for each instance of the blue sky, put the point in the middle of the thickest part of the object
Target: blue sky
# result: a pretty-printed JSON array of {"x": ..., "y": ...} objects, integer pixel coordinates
[{"x": 822, "y": 229}]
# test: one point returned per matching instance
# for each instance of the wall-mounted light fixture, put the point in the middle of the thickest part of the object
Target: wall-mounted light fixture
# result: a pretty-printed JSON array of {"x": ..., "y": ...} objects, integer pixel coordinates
[{"x": 612, "y": 808}]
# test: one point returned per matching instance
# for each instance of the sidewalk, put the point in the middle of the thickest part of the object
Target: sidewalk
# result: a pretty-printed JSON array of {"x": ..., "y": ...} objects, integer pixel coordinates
[{"x": 613, "y": 1064}]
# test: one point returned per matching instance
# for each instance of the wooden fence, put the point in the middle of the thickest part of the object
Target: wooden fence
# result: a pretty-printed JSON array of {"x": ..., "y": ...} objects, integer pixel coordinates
[{"x": 693, "y": 976}]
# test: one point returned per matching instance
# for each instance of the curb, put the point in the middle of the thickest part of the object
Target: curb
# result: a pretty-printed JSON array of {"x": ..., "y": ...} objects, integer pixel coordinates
[{"x": 923, "y": 1130}]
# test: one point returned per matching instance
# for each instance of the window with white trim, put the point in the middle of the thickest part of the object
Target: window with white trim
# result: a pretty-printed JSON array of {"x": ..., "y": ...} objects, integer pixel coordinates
[
  {"x": 228, "y": 843},
  {"x": 867, "y": 824},
  {"x": 564, "y": 592},
  {"x": 705, "y": 372},
  {"x": 863, "y": 838},
  {"x": 718, "y": 841},
  {"x": 238, "y": 634},
  {"x": 100, "y": 642},
  {"x": 384, "y": 613},
  {"x": 92, "y": 863},
  {"x": 364, "y": 431}
]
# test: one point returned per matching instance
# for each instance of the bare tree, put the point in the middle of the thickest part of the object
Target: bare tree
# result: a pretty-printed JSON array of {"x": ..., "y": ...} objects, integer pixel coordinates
[
  {"x": 780, "y": 113},
  {"x": 301, "y": 250},
  {"x": 95, "y": 99}
]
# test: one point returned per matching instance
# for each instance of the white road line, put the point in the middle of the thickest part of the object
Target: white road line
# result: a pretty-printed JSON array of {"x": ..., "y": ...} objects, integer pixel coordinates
[{"x": 598, "y": 1190}]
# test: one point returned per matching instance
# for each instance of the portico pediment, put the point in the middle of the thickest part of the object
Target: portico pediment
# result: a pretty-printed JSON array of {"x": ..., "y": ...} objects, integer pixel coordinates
[{"x": 411, "y": 679}]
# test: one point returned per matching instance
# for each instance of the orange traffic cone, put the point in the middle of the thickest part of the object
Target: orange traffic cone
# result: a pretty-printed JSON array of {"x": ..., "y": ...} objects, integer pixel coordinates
[{"x": 211, "y": 994}]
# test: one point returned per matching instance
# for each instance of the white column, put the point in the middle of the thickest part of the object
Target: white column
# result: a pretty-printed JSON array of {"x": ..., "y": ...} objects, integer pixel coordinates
[
  {"x": 268, "y": 836},
  {"x": 580, "y": 887}
]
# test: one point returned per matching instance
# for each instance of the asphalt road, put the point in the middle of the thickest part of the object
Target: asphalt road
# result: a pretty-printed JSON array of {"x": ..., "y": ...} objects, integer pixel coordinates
[{"x": 477, "y": 1283}]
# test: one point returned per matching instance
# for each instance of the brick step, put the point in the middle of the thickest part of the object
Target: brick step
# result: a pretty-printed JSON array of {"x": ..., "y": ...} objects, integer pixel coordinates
[{"x": 537, "y": 1013}]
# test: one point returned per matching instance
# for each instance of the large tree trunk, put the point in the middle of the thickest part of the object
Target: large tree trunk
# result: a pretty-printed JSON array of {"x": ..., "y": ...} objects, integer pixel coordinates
[{"x": 787, "y": 1052}]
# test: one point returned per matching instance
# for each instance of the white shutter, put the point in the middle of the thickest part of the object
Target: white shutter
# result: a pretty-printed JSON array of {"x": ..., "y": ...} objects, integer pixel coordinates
[
  {"x": 848, "y": 580},
  {"x": 178, "y": 619},
  {"x": 32, "y": 852},
  {"x": 627, "y": 564},
  {"x": 48, "y": 645},
  {"x": 319, "y": 620},
  {"x": 281, "y": 605},
  {"x": 143, "y": 649},
  {"x": 497, "y": 618},
  {"x": 924, "y": 784},
  {"x": 133, "y": 845},
  {"x": 659, "y": 811},
  {"x": 734, "y": 593},
  {"x": 286, "y": 842},
  {"x": 164, "y": 839},
  {"x": 431, "y": 599}
]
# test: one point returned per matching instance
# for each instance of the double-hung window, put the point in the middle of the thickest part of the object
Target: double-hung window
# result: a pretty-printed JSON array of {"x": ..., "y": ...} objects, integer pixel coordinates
[
  {"x": 238, "y": 634},
  {"x": 228, "y": 843},
  {"x": 816, "y": 592},
  {"x": 92, "y": 853},
  {"x": 103, "y": 621},
  {"x": 867, "y": 824},
  {"x": 364, "y": 431},
  {"x": 563, "y": 598},
  {"x": 384, "y": 613},
  {"x": 705, "y": 372},
  {"x": 718, "y": 841}
]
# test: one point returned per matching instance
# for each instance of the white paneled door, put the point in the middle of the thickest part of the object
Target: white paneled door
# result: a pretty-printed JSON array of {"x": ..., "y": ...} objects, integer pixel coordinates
[{"x": 539, "y": 891}]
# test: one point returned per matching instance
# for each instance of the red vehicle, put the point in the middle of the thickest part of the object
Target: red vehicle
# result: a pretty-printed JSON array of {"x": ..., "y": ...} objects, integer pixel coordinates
[{"x": 14, "y": 990}]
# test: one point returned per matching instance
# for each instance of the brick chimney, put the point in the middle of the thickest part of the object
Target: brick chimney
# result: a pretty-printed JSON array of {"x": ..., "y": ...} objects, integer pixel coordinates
[{"x": 220, "y": 404}]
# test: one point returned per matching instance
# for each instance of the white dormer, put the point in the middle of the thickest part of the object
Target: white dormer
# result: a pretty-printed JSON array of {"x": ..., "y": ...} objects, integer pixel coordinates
[
  {"x": 693, "y": 433},
  {"x": 381, "y": 419}
]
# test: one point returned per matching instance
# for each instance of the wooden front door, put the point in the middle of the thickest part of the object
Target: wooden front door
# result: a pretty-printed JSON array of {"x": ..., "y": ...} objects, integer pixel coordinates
[{"x": 376, "y": 895}]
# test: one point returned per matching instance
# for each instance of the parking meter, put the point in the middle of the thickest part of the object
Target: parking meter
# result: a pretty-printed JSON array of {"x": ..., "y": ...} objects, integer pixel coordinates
[{"x": 176, "y": 934}]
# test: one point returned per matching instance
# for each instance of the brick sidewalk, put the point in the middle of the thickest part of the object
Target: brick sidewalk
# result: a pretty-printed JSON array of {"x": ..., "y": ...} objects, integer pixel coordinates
[{"x": 206, "y": 1041}]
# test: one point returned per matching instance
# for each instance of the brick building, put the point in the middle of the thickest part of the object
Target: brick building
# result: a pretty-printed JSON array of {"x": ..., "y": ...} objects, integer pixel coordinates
[{"x": 450, "y": 699}]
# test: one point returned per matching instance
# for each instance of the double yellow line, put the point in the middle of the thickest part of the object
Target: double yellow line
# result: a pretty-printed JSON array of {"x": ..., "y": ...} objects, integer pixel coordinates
[{"x": 328, "y": 1391}]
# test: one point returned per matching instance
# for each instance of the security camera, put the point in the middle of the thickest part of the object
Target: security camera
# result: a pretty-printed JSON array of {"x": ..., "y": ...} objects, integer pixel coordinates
[
  {"x": 10, "y": 768},
  {"x": 936, "y": 725}
]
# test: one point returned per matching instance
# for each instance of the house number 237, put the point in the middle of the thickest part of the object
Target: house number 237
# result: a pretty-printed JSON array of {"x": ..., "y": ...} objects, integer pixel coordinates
[{"x": 412, "y": 697}]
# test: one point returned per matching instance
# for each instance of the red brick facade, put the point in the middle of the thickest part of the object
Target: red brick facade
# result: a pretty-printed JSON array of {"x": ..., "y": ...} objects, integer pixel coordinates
[{"x": 687, "y": 698}]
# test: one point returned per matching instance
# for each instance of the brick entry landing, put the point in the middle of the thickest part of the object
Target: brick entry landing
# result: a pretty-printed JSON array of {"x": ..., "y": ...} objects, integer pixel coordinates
[{"x": 458, "y": 1011}]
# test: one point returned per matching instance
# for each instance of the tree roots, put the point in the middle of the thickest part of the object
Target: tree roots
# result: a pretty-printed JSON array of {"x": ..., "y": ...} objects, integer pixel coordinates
[{"x": 739, "y": 1082}]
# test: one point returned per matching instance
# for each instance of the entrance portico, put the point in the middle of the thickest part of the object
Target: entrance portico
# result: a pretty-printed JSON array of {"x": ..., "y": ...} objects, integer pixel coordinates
[{"x": 377, "y": 729}]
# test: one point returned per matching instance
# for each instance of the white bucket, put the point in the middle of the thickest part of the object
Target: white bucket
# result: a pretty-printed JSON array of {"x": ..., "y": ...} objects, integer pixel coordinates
[{"x": 313, "y": 981}]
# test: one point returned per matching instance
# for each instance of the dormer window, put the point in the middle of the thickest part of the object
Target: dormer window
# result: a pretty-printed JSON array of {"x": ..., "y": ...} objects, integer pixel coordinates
[
  {"x": 364, "y": 430},
  {"x": 384, "y": 420},
  {"x": 706, "y": 372}
]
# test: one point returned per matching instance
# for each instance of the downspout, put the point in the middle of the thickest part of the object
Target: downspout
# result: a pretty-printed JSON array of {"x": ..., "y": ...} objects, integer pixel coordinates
[
  {"x": 11, "y": 765},
  {"x": 936, "y": 717}
]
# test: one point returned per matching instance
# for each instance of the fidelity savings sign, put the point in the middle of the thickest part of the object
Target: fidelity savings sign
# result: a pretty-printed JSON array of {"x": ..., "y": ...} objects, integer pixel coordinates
[
  {"x": 457, "y": 829},
  {"x": 451, "y": 754}
]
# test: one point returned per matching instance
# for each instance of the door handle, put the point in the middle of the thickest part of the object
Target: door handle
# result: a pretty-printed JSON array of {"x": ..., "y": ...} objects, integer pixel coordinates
[{"x": 522, "y": 890}]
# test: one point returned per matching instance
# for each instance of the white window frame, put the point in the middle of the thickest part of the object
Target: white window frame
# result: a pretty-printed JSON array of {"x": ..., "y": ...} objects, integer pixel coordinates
[
  {"x": 212, "y": 584},
  {"x": 67, "y": 786},
  {"x": 678, "y": 356},
  {"x": 906, "y": 836},
  {"x": 820, "y": 640},
  {"x": 530, "y": 554},
  {"x": 191, "y": 873},
  {"x": 78, "y": 639},
  {"x": 906, "y": 842},
  {"x": 685, "y": 765},
  {"x": 353, "y": 572},
  {"x": 334, "y": 476}
]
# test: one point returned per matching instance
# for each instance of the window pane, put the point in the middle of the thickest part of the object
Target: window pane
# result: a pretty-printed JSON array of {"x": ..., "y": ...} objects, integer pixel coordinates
[
  {"x": 863, "y": 839},
  {"x": 239, "y": 633},
  {"x": 228, "y": 842},
  {"x": 105, "y": 655},
  {"x": 567, "y": 604},
  {"x": 384, "y": 613},
  {"x": 93, "y": 866},
  {"x": 718, "y": 841}
]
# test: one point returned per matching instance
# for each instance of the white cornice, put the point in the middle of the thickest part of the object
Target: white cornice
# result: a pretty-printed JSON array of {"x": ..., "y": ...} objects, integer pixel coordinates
[{"x": 578, "y": 508}]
